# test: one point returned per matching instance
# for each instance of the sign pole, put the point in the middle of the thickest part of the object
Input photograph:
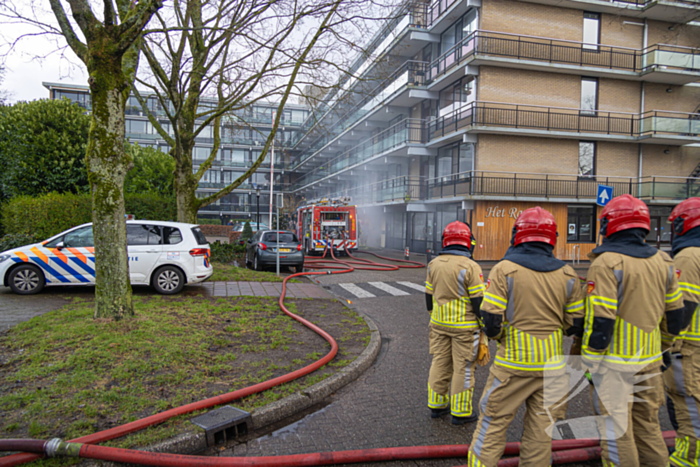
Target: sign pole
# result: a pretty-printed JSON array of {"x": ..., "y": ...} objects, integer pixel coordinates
[
  {"x": 272, "y": 177},
  {"x": 278, "y": 240}
]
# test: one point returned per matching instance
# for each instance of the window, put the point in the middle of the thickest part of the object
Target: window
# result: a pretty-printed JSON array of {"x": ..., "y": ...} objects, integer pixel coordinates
[
  {"x": 581, "y": 224},
  {"x": 586, "y": 158},
  {"x": 454, "y": 159},
  {"x": 171, "y": 236},
  {"x": 79, "y": 238},
  {"x": 591, "y": 30},
  {"x": 140, "y": 234},
  {"x": 459, "y": 95},
  {"x": 201, "y": 153},
  {"x": 589, "y": 96},
  {"x": 199, "y": 236},
  {"x": 283, "y": 237}
]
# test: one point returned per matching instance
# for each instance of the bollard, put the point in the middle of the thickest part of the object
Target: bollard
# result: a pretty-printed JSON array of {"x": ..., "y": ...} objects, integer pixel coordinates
[
  {"x": 406, "y": 253},
  {"x": 428, "y": 256}
]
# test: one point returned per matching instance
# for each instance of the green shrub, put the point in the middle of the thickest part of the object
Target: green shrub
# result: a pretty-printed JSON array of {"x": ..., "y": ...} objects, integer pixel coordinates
[
  {"x": 247, "y": 232},
  {"x": 208, "y": 221},
  {"x": 225, "y": 252},
  {"x": 12, "y": 241},
  {"x": 47, "y": 215}
]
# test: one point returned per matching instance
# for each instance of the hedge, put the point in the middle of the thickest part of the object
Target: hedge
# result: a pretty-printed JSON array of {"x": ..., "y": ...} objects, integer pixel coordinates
[{"x": 47, "y": 215}]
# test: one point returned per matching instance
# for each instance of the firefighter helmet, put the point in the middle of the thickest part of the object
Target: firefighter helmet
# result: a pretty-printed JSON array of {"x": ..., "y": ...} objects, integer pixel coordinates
[
  {"x": 535, "y": 225},
  {"x": 457, "y": 233},
  {"x": 685, "y": 216},
  {"x": 623, "y": 213}
]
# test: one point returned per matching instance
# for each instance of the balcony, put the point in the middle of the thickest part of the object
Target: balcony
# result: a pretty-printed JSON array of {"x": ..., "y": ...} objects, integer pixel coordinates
[
  {"x": 395, "y": 190},
  {"x": 395, "y": 140},
  {"x": 658, "y": 63},
  {"x": 395, "y": 89},
  {"x": 674, "y": 11},
  {"x": 655, "y": 126},
  {"x": 530, "y": 186}
]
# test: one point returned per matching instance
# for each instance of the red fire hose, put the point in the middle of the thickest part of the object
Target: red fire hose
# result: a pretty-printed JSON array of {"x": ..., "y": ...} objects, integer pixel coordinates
[
  {"x": 336, "y": 267},
  {"x": 565, "y": 451}
]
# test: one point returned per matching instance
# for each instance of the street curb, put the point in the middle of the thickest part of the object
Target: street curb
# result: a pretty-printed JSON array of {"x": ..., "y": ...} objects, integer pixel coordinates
[{"x": 195, "y": 441}]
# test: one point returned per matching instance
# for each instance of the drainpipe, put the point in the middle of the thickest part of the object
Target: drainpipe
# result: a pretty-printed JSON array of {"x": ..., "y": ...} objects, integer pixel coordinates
[
  {"x": 645, "y": 44},
  {"x": 641, "y": 146}
]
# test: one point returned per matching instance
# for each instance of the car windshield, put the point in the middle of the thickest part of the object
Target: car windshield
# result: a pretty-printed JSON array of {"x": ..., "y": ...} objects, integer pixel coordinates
[{"x": 285, "y": 237}]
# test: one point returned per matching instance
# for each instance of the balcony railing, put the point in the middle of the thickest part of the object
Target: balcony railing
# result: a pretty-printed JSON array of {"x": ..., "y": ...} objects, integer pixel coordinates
[
  {"x": 425, "y": 15},
  {"x": 405, "y": 188},
  {"x": 404, "y": 132},
  {"x": 564, "y": 52},
  {"x": 651, "y": 123},
  {"x": 478, "y": 183},
  {"x": 411, "y": 73}
]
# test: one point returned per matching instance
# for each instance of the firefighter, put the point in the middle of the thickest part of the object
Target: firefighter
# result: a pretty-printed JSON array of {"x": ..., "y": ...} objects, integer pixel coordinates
[
  {"x": 532, "y": 300},
  {"x": 633, "y": 297},
  {"x": 680, "y": 378},
  {"x": 454, "y": 289}
]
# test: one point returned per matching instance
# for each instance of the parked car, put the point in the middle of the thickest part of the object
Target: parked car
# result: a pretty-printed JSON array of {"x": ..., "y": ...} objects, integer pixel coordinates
[
  {"x": 253, "y": 225},
  {"x": 261, "y": 250},
  {"x": 165, "y": 255}
]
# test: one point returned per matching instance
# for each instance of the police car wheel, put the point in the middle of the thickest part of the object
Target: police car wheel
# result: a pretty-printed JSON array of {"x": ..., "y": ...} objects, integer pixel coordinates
[
  {"x": 168, "y": 280},
  {"x": 26, "y": 280}
]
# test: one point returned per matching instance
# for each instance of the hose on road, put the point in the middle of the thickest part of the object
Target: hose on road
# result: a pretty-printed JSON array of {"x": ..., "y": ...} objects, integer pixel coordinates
[{"x": 564, "y": 451}]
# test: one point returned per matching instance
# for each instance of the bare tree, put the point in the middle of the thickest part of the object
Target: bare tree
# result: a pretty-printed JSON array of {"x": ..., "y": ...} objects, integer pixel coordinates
[
  {"x": 210, "y": 59},
  {"x": 107, "y": 42}
]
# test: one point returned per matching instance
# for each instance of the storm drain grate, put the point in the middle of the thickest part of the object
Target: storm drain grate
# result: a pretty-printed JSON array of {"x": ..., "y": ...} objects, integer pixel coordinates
[{"x": 223, "y": 424}]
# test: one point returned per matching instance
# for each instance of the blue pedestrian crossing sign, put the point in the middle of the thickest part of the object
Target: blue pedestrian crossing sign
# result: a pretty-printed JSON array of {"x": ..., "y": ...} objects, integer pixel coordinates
[{"x": 605, "y": 194}]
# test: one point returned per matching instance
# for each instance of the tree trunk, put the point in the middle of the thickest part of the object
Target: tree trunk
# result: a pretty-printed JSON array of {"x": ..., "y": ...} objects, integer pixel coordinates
[
  {"x": 107, "y": 167},
  {"x": 185, "y": 186}
]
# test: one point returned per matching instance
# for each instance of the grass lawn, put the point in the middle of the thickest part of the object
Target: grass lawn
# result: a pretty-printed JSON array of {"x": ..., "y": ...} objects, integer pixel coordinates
[
  {"x": 65, "y": 374},
  {"x": 230, "y": 273}
]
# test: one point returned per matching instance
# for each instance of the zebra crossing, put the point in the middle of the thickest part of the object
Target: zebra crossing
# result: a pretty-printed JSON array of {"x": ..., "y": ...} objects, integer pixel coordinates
[{"x": 355, "y": 290}]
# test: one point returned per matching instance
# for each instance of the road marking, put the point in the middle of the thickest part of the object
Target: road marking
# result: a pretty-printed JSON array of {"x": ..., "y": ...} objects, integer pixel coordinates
[
  {"x": 387, "y": 288},
  {"x": 356, "y": 291},
  {"x": 411, "y": 285}
]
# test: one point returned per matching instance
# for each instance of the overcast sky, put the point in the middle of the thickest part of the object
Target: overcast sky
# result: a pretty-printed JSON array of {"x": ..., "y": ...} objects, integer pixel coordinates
[{"x": 23, "y": 76}]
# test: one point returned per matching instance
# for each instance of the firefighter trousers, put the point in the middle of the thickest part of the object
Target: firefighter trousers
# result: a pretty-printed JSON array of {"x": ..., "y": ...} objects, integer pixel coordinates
[
  {"x": 451, "y": 378},
  {"x": 683, "y": 388},
  {"x": 627, "y": 409},
  {"x": 503, "y": 394}
]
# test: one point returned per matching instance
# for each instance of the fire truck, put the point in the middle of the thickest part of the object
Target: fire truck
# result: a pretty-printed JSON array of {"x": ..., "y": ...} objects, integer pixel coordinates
[{"x": 327, "y": 220}]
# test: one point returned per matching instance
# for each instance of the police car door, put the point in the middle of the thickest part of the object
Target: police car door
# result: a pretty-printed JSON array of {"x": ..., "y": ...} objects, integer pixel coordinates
[
  {"x": 144, "y": 248},
  {"x": 73, "y": 257}
]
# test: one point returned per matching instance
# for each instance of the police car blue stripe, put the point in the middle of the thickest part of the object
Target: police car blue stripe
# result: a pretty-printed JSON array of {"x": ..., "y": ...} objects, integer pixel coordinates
[
  {"x": 84, "y": 266},
  {"x": 49, "y": 269},
  {"x": 70, "y": 270}
]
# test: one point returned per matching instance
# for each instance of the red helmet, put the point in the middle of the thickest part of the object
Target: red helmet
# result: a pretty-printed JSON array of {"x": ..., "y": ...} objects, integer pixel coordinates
[
  {"x": 535, "y": 225},
  {"x": 685, "y": 216},
  {"x": 457, "y": 233},
  {"x": 623, "y": 213}
]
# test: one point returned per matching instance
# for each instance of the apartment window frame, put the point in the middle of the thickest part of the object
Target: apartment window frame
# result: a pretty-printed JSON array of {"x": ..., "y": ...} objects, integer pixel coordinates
[
  {"x": 594, "y": 160},
  {"x": 594, "y": 111},
  {"x": 591, "y": 18}
]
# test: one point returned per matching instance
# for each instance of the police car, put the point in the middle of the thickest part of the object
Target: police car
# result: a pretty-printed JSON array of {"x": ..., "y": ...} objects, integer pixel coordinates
[{"x": 165, "y": 255}]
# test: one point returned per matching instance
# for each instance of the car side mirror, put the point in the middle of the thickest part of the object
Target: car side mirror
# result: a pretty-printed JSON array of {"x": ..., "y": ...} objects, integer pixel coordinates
[
  {"x": 60, "y": 245},
  {"x": 250, "y": 240}
]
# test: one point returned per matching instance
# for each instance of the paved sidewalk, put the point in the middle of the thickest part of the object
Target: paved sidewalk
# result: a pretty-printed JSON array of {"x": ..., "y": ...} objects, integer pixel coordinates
[
  {"x": 15, "y": 309},
  {"x": 263, "y": 289}
]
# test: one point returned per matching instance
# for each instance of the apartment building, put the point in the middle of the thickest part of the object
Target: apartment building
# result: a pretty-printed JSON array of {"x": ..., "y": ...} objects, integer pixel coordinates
[
  {"x": 478, "y": 109},
  {"x": 243, "y": 137}
]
